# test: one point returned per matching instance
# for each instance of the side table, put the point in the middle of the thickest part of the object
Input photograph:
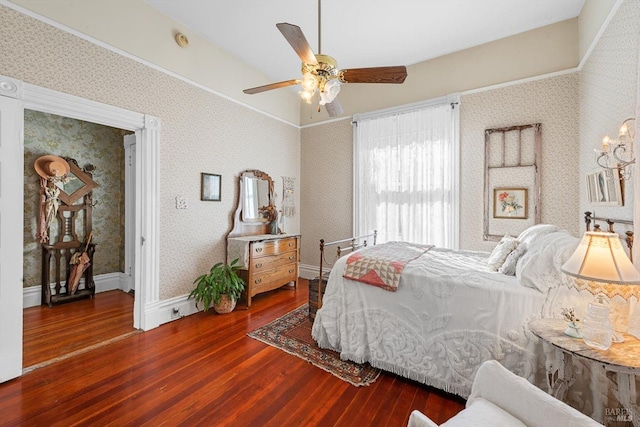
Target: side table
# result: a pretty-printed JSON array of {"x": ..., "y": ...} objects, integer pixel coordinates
[{"x": 623, "y": 359}]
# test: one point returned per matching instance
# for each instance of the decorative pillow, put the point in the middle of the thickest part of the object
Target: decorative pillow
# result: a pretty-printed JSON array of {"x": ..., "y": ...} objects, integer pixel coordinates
[
  {"x": 500, "y": 252},
  {"x": 533, "y": 233},
  {"x": 539, "y": 267},
  {"x": 509, "y": 266}
]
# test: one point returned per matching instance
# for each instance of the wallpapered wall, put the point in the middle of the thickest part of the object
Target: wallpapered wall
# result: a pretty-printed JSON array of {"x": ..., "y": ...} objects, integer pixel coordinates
[
  {"x": 608, "y": 92},
  {"x": 201, "y": 132},
  {"x": 551, "y": 102},
  {"x": 88, "y": 143},
  {"x": 326, "y": 188}
]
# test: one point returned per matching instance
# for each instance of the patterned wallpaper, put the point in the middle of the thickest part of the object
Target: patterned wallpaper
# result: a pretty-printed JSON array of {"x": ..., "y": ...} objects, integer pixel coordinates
[
  {"x": 551, "y": 102},
  {"x": 201, "y": 132},
  {"x": 327, "y": 187},
  {"x": 608, "y": 93},
  {"x": 88, "y": 143}
]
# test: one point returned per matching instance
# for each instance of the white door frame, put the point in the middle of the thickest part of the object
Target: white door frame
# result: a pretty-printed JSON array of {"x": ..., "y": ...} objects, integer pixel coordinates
[
  {"x": 129, "y": 142},
  {"x": 11, "y": 226},
  {"x": 147, "y": 188}
]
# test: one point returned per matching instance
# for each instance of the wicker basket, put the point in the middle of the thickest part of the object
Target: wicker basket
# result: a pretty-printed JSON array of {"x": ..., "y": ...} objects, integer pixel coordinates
[{"x": 226, "y": 305}]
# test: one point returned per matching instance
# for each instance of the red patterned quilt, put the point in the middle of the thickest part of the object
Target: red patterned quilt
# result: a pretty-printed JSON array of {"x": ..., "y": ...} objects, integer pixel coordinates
[{"x": 382, "y": 265}]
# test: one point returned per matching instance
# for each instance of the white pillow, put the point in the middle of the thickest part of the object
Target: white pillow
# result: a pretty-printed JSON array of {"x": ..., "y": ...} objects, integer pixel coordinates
[
  {"x": 509, "y": 266},
  {"x": 501, "y": 251},
  {"x": 539, "y": 267},
  {"x": 533, "y": 233}
]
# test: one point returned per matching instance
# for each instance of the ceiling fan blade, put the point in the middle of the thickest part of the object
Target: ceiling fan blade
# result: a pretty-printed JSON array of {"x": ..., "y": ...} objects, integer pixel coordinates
[
  {"x": 395, "y": 74},
  {"x": 333, "y": 108},
  {"x": 264, "y": 88},
  {"x": 298, "y": 42}
]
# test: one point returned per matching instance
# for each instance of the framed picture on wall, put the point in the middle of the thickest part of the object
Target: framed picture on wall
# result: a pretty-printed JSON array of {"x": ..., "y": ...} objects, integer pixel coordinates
[
  {"x": 210, "y": 187},
  {"x": 510, "y": 203},
  {"x": 604, "y": 189}
]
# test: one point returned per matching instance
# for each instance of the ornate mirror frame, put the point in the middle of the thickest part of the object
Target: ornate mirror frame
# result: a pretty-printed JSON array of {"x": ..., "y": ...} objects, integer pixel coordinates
[
  {"x": 253, "y": 226},
  {"x": 88, "y": 184}
]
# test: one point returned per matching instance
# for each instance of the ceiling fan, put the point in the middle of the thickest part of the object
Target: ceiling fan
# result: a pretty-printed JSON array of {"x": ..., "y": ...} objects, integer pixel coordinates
[{"x": 320, "y": 72}]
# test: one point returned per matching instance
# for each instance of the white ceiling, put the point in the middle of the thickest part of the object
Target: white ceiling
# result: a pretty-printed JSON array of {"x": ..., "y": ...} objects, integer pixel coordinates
[{"x": 360, "y": 33}]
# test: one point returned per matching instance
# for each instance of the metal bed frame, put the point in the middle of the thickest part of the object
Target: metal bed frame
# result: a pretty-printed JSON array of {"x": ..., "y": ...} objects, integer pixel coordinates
[{"x": 353, "y": 244}]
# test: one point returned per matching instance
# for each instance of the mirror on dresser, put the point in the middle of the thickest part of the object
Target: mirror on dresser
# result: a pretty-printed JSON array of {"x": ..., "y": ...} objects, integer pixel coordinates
[{"x": 269, "y": 258}]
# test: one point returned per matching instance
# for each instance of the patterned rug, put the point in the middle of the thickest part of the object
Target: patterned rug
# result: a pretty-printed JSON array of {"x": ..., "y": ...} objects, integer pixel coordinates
[{"x": 292, "y": 333}]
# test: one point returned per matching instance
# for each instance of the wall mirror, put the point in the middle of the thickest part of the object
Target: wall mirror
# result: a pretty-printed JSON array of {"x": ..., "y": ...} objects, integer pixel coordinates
[
  {"x": 256, "y": 207},
  {"x": 257, "y": 190},
  {"x": 80, "y": 184}
]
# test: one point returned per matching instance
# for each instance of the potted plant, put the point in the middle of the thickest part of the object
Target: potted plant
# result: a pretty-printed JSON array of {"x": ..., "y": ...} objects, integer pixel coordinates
[{"x": 221, "y": 287}]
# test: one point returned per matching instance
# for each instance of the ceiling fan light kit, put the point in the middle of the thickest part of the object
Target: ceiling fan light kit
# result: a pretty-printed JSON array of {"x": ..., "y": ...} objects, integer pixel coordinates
[{"x": 320, "y": 72}]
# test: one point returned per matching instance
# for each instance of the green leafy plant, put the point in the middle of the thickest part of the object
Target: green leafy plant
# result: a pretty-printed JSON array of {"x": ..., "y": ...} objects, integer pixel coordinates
[{"x": 221, "y": 279}]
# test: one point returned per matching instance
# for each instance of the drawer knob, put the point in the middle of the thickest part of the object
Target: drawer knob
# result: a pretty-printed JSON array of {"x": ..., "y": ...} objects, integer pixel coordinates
[
  {"x": 291, "y": 270},
  {"x": 258, "y": 250},
  {"x": 291, "y": 257},
  {"x": 257, "y": 281},
  {"x": 290, "y": 243},
  {"x": 258, "y": 265}
]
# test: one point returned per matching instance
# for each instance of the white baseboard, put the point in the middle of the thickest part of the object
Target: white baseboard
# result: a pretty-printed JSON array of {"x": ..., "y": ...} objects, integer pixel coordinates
[
  {"x": 170, "y": 309},
  {"x": 307, "y": 271},
  {"x": 32, "y": 296}
]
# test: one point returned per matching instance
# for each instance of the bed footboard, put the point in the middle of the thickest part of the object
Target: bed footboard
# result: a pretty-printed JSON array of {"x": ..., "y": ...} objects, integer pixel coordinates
[{"x": 316, "y": 285}]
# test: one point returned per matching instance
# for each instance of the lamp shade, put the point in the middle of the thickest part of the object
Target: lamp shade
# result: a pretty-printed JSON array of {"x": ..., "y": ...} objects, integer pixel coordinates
[{"x": 600, "y": 257}]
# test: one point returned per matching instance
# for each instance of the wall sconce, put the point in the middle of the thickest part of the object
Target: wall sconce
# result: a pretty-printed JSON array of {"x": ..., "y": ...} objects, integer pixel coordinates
[{"x": 618, "y": 153}]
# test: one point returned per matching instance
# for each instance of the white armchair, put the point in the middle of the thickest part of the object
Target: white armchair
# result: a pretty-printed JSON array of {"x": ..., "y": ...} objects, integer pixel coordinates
[{"x": 501, "y": 398}]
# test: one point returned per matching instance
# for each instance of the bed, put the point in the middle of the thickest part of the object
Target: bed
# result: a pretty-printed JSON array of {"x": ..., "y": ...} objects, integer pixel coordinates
[{"x": 451, "y": 311}]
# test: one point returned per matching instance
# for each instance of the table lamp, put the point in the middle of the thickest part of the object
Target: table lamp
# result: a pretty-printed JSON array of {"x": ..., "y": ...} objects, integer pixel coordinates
[{"x": 600, "y": 257}]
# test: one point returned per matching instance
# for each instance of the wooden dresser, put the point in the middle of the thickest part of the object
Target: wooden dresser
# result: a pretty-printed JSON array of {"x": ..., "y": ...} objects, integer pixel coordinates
[{"x": 270, "y": 261}]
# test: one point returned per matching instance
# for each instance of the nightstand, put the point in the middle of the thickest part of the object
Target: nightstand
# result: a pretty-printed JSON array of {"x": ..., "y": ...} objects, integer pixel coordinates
[{"x": 622, "y": 360}]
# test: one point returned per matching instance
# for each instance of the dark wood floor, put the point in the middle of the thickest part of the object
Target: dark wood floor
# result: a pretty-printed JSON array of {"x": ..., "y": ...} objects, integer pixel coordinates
[{"x": 204, "y": 370}]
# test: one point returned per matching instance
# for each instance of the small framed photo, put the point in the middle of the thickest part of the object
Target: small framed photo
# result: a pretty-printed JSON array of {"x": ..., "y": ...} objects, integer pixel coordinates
[
  {"x": 604, "y": 189},
  {"x": 211, "y": 186},
  {"x": 510, "y": 203}
]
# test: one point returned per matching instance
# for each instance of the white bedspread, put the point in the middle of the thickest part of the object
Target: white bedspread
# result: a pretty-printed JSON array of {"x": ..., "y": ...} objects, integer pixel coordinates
[{"x": 449, "y": 314}]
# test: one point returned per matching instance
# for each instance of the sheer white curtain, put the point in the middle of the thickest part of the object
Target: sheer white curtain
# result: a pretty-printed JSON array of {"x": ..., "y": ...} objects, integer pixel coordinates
[{"x": 406, "y": 174}]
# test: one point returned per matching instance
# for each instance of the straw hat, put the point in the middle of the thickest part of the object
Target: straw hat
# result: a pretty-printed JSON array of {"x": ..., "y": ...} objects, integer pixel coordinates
[{"x": 51, "y": 166}]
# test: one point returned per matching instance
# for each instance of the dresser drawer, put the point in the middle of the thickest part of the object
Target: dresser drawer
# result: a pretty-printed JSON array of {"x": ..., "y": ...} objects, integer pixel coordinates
[
  {"x": 272, "y": 261},
  {"x": 260, "y": 249},
  {"x": 273, "y": 278}
]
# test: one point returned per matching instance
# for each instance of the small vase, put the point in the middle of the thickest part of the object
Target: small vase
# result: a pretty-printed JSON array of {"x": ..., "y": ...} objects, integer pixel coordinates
[{"x": 573, "y": 330}]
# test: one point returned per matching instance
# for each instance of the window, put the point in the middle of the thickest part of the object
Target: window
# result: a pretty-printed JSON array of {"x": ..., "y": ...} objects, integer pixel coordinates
[{"x": 406, "y": 173}]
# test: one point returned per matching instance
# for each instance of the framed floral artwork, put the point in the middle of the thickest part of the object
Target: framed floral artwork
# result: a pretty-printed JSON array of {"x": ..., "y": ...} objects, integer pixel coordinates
[
  {"x": 210, "y": 187},
  {"x": 510, "y": 203}
]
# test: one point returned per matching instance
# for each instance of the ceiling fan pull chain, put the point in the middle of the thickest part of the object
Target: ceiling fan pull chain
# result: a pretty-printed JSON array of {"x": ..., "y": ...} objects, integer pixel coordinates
[{"x": 319, "y": 27}]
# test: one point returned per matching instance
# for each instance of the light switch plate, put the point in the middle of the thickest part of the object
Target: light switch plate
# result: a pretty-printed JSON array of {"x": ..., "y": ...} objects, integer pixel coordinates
[{"x": 181, "y": 202}]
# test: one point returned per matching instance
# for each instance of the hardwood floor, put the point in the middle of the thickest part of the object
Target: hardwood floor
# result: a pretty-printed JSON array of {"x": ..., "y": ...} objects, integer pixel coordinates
[
  {"x": 204, "y": 370},
  {"x": 53, "y": 333}
]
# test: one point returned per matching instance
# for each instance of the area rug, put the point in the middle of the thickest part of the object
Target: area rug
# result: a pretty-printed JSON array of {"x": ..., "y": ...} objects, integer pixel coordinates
[{"x": 292, "y": 333}]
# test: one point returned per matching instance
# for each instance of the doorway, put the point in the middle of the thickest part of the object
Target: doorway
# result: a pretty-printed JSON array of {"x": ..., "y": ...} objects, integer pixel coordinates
[
  {"x": 104, "y": 154},
  {"x": 15, "y": 97}
]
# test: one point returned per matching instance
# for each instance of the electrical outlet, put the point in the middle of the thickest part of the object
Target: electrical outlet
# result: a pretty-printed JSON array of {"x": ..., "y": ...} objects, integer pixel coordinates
[
  {"x": 175, "y": 313},
  {"x": 181, "y": 202}
]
